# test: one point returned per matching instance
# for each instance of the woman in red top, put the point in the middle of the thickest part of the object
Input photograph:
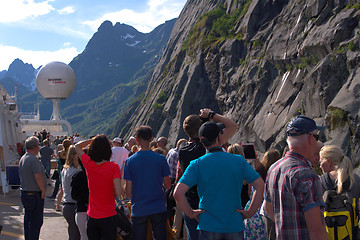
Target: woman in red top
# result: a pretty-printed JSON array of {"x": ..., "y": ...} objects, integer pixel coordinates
[{"x": 104, "y": 181}]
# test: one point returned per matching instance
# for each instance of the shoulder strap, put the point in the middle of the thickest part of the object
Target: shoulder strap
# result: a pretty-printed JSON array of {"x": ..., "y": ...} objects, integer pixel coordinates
[{"x": 329, "y": 182}]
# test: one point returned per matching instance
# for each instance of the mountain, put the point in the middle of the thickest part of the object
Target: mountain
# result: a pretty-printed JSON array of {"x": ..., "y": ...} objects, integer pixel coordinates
[
  {"x": 23, "y": 73},
  {"x": 111, "y": 72},
  {"x": 21, "y": 77},
  {"x": 261, "y": 62}
]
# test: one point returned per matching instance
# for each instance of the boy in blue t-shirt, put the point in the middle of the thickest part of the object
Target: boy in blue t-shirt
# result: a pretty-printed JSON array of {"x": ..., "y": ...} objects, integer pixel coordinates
[
  {"x": 219, "y": 177},
  {"x": 145, "y": 173}
]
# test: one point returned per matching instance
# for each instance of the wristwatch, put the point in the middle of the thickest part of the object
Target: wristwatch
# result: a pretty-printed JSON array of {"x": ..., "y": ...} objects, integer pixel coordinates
[{"x": 211, "y": 114}]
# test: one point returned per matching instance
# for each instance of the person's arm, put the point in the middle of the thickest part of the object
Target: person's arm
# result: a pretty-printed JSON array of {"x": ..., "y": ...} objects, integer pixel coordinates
[
  {"x": 117, "y": 186},
  {"x": 182, "y": 202},
  {"x": 167, "y": 182},
  {"x": 128, "y": 188},
  {"x": 315, "y": 224},
  {"x": 41, "y": 184},
  {"x": 269, "y": 210},
  {"x": 80, "y": 145},
  {"x": 230, "y": 125},
  {"x": 178, "y": 172},
  {"x": 256, "y": 200}
]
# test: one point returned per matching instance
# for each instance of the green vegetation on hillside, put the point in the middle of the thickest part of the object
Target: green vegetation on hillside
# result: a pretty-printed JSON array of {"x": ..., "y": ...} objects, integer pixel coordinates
[
  {"x": 215, "y": 26},
  {"x": 355, "y": 6},
  {"x": 161, "y": 100}
]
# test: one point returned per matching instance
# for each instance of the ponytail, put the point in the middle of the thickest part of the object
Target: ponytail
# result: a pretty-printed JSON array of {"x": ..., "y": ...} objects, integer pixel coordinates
[
  {"x": 342, "y": 164},
  {"x": 344, "y": 171}
]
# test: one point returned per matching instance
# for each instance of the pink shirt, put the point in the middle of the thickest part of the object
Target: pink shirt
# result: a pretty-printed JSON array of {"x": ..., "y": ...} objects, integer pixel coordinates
[{"x": 101, "y": 187}]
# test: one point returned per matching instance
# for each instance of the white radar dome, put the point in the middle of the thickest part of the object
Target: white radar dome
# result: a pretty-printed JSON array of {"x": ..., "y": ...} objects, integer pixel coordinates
[{"x": 56, "y": 80}]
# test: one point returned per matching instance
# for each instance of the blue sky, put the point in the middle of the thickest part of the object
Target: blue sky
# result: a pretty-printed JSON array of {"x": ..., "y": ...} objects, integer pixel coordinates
[{"x": 38, "y": 31}]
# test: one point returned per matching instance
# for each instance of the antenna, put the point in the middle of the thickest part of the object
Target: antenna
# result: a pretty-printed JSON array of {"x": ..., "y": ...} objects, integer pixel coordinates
[{"x": 56, "y": 81}]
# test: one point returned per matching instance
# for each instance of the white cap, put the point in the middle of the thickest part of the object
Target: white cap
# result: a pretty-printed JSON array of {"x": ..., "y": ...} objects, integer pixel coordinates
[{"x": 118, "y": 140}]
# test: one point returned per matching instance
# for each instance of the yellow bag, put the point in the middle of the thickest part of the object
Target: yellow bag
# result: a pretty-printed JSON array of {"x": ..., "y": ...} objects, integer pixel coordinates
[{"x": 341, "y": 215}]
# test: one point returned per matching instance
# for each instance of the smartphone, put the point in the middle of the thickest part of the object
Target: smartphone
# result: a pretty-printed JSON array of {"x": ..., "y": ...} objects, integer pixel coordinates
[{"x": 249, "y": 152}]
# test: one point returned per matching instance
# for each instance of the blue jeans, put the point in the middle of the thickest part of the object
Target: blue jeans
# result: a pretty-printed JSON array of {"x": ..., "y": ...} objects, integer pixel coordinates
[
  {"x": 158, "y": 224},
  {"x": 191, "y": 226},
  {"x": 56, "y": 188},
  {"x": 204, "y": 235},
  {"x": 47, "y": 166},
  {"x": 34, "y": 212}
]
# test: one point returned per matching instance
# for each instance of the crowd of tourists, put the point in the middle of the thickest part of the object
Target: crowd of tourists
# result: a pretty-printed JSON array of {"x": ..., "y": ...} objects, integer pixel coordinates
[{"x": 203, "y": 188}]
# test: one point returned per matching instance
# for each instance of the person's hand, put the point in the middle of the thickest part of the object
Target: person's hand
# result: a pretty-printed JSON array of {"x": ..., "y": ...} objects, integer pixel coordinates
[
  {"x": 195, "y": 214},
  {"x": 204, "y": 113},
  {"x": 245, "y": 213},
  {"x": 42, "y": 194}
]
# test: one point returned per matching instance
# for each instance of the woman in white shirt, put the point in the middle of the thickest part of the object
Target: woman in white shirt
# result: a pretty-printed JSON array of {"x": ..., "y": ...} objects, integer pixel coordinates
[{"x": 71, "y": 167}]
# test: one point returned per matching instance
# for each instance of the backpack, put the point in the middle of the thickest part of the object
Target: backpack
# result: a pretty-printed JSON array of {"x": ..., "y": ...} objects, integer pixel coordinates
[{"x": 341, "y": 215}]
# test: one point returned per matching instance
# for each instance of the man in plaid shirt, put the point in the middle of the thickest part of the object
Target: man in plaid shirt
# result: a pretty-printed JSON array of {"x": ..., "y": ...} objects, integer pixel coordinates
[
  {"x": 172, "y": 159},
  {"x": 293, "y": 195}
]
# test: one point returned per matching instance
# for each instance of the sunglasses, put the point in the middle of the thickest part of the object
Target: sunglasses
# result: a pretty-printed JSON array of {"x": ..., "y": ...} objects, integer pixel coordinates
[{"x": 316, "y": 136}]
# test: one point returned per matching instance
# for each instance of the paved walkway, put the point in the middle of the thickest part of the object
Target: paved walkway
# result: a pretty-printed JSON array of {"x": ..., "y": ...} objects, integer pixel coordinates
[{"x": 11, "y": 217}]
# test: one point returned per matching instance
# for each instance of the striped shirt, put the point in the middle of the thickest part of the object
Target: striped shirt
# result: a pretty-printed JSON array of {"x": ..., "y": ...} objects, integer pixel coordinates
[
  {"x": 293, "y": 188},
  {"x": 172, "y": 159}
]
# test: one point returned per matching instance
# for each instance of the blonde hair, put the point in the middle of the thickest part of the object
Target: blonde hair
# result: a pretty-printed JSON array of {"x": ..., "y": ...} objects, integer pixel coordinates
[
  {"x": 181, "y": 142},
  {"x": 70, "y": 157},
  {"x": 236, "y": 149},
  {"x": 134, "y": 149},
  {"x": 342, "y": 165},
  {"x": 59, "y": 147},
  {"x": 66, "y": 144}
]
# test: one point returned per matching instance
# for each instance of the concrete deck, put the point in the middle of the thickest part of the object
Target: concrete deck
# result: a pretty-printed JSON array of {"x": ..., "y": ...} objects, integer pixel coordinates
[{"x": 11, "y": 217}]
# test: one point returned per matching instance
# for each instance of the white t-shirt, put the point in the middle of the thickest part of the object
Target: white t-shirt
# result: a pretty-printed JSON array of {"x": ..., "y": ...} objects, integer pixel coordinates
[
  {"x": 66, "y": 177},
  {"x": 119, "y": 155}
]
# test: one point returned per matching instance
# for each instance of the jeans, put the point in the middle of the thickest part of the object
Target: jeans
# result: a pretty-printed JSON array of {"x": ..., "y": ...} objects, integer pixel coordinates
[
  {"x": 204, "y": 235},
  {"x": 56, "y": 188},
  {"x": 69, "y": 214},
  {"x": 191, "y": 225},
  {"x": 34, "y": 212},
  {"x": 102, "y": 228},
  {"x": 47, "y": 166},
  {"x": 158, "y": 224}
]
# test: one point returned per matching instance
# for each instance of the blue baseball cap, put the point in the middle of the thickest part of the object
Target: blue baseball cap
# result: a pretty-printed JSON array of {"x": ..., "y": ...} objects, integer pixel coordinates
[{"x": 302, "y": 125}]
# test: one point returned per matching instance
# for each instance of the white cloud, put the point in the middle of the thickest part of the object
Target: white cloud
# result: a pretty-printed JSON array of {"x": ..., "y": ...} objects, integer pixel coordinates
[
  {"x": 66, "y": 10},
  {"x": 36, "y": 58},
  {"x": 157, "y": 12},
  {"x": 67, "y": 44},
  {"x": 16, "y": 10}
]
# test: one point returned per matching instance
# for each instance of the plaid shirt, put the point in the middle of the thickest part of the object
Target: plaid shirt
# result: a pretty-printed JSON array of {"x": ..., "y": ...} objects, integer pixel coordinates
[
  {"x": 293, "y": 188},
  {"x": 172, "y": 159}
]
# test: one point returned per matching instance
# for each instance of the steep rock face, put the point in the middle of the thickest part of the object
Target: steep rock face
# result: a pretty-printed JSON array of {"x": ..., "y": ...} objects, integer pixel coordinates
[{"x": 277, "y": 60}]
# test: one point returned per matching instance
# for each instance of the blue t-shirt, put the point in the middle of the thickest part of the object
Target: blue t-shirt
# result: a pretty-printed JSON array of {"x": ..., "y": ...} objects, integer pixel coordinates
[
  {"x": 219, "y": 177},
  {"x": 146, "y": 170}
]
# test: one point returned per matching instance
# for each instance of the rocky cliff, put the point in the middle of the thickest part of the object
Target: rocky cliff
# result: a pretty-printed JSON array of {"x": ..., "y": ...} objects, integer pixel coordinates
[{"x": 260, "y": 62}]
